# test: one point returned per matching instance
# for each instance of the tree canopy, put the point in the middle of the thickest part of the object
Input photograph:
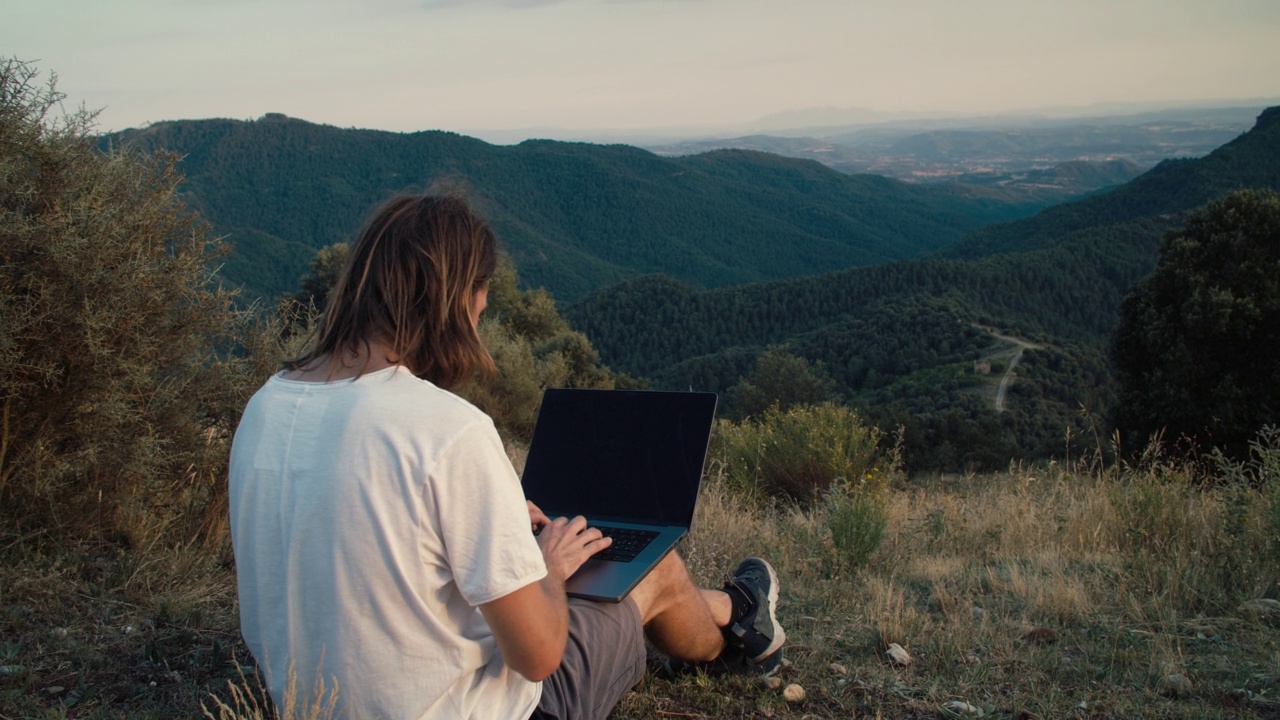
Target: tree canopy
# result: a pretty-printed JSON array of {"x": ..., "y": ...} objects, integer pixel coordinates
[
  {"x": 115, "y": 392},
  {"x": 1198, "y": 345}
]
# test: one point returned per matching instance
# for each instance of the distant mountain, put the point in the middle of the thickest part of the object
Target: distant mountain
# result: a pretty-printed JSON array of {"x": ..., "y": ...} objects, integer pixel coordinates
[
  {"x": 575, "y": 217},
  {"x": 1172, "y": 188},
  {"x": 909, "y": 341},
  {"x": 1011, "y": 153}
]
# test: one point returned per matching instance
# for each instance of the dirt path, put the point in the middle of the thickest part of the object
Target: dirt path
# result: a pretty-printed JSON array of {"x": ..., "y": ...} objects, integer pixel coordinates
[{"x": 1009, "y": 375}]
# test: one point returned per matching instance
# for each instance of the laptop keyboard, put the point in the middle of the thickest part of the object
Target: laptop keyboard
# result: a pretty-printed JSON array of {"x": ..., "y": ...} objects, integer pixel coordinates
[{"x": 627, "y": 543}]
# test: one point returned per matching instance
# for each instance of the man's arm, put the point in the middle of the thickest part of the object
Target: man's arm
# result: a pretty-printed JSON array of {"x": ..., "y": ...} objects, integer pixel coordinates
[{"x": 531, "y": 624}]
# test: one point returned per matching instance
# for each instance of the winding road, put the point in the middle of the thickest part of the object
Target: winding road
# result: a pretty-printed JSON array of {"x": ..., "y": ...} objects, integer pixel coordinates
[{"x": 1009, "y": 374}]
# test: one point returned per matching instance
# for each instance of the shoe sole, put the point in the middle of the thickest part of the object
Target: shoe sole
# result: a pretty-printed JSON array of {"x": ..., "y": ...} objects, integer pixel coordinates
[{"x": 780, "y": 635}]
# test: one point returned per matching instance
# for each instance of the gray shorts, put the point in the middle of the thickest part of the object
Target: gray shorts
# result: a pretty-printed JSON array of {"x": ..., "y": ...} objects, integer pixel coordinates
[{"x": 604, "y": 659}]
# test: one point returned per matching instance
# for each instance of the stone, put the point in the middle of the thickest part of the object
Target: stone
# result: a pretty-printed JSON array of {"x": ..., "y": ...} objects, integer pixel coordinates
[
  {"x": 1175, "y": 685},
  {"x": 961, "y": 707},
  {"x": 771, "y": 683},
  {"x": 976, "y": 613},
  {"x": 897, "y": 655},
  {"x": 838, "y": 669},
  {"x": 793, "y": 693}
]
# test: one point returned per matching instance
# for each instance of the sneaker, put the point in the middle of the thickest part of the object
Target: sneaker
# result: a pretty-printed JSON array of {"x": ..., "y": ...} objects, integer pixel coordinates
[{"x": 754, "y": 626}]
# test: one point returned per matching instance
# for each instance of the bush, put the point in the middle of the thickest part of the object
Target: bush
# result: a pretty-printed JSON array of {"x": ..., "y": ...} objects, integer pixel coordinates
[
  {"x": 532, "y": 348},
  {"x": 801, "y": 452},
  {"x": 857, "y": 518},
  {"x": 116, "y": 406}
]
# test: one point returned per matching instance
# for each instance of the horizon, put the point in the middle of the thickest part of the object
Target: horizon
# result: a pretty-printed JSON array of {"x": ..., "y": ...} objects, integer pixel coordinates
[{"x": 497, "y": 68}]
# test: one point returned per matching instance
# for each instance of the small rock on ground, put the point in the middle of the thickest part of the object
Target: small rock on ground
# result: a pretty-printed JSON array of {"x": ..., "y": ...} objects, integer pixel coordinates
[
  {"x": 793, "y": 693},
  {"x": 1175, "y": 685},
  {"x": 897, "y": 655}
]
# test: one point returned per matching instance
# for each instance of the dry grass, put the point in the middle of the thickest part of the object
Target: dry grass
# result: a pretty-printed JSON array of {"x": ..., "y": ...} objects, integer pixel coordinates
[
  {"x": 1028, "y": 594},
  {"x": 1040, "y": 593}
]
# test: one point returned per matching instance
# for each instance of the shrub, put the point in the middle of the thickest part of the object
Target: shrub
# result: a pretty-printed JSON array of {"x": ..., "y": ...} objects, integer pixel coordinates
[
  {"x": 800, "y": 452},
  {"x": 857, "y": 518},
  {"x": 533, "y": 348},
  {"x": 116, "y": 405}
]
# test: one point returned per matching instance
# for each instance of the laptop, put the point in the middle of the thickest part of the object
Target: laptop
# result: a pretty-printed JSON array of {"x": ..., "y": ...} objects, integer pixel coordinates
[{"x": 630, "y": 462}]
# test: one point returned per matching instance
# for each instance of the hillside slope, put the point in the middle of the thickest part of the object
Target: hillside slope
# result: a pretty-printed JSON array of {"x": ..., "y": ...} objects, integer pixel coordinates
[
  {"x": 575, "y": 217},
  {"x": 901, "y": 340}
]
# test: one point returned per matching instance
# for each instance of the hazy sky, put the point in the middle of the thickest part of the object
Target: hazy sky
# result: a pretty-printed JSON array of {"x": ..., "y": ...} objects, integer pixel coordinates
[{"x": 476, "y": 65}]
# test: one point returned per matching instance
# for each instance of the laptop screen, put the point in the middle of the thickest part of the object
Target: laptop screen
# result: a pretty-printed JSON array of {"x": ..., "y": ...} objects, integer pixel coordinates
[{"x": 627, "y": 455}]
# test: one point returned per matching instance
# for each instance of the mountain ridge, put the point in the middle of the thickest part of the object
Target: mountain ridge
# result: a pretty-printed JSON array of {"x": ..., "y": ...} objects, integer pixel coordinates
[{"x": 574, "y": 216}]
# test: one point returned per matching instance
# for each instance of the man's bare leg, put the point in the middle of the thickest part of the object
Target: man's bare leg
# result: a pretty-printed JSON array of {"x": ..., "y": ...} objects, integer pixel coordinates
[{"x": 680, "y": 618}]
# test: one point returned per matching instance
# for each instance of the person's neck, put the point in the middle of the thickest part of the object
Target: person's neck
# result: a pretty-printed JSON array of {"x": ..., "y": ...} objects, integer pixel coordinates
[{"x": 371, "y": 358}]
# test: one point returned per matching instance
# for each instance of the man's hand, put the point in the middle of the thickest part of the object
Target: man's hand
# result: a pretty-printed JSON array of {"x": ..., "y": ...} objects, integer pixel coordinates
[
  {"x": 537, "y": 518},
  {"x": 567, "y": 544},
  {"x": 531, "y": 624}
]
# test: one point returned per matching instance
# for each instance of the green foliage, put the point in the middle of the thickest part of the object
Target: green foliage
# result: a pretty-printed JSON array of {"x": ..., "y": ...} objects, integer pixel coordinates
[
  {"x": 894, "y": 337},
  {"x": 116, "y": 403},
  {"x": 1196, "y": 348},
  {"x": 856, "y": 516},
  {"x": 533, "y": 349},
  {"x": 781, "y": 380},
  {"x": 575, "y": 217},
  {"x": 802, "y": 452},
  {"x": 317, "y": 285}
]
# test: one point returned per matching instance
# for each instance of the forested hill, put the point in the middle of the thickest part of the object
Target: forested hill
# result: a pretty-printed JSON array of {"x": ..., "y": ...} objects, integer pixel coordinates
[
  {"x": 1172, "y": 188},
  {"x": 575, "y": 217},
  {"x": 901, "y": 340}
]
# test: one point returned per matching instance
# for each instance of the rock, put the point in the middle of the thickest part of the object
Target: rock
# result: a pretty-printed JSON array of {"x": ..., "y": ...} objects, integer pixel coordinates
[
  {"x": 58, "y": 633},
  {"x": 838, "y": 669},
  {"x": 897, "y": 655},
  {"x": 972, "y": 659},
  {"x": 1175, "y": 685},
  {"x": 54, "y": 689},
  {"x": 1042, "y": 636},
  {"x": 977, "y": 613},
  {"x": 771, "y": 683},
  {"x": 793, "y": 693},
  {"x": 960, "y": 707}
]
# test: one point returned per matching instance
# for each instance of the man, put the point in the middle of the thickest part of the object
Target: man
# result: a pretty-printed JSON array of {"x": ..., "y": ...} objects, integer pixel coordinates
[{"x": 383, "y": 548}]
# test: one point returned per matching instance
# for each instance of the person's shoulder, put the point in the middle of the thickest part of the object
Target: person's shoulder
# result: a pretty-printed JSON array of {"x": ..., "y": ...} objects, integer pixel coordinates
[{"x": 405, "y": 387}]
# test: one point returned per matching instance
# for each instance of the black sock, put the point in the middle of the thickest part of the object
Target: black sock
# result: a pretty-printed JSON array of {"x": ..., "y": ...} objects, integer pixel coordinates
[{"x": 742, "y": 602}]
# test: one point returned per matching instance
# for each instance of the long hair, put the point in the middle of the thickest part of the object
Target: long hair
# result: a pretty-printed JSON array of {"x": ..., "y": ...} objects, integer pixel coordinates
[{"x": 409, "y": 283}]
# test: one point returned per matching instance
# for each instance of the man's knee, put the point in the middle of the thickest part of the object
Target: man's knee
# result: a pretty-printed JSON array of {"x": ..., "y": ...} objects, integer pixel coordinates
[
  {"x": 672, "y": 572},
  {"x": 663, "y": 585}
]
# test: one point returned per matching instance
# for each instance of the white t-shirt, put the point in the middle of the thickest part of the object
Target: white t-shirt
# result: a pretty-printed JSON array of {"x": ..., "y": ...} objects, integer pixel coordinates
[{"x": 370, "y": 518}]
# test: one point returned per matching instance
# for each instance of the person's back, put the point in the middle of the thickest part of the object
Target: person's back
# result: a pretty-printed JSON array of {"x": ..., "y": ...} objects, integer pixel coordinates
[
  {"x": 383, "y": 543},
  {"x": 341, "y": 496}
]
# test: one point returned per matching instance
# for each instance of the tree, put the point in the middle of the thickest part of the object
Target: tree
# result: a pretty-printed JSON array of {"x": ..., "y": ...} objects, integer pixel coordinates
[
  {"x": 115, "y": 401},
  {"x": 1197, "y": 348},
  {"x": 781, "y": 380}
]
